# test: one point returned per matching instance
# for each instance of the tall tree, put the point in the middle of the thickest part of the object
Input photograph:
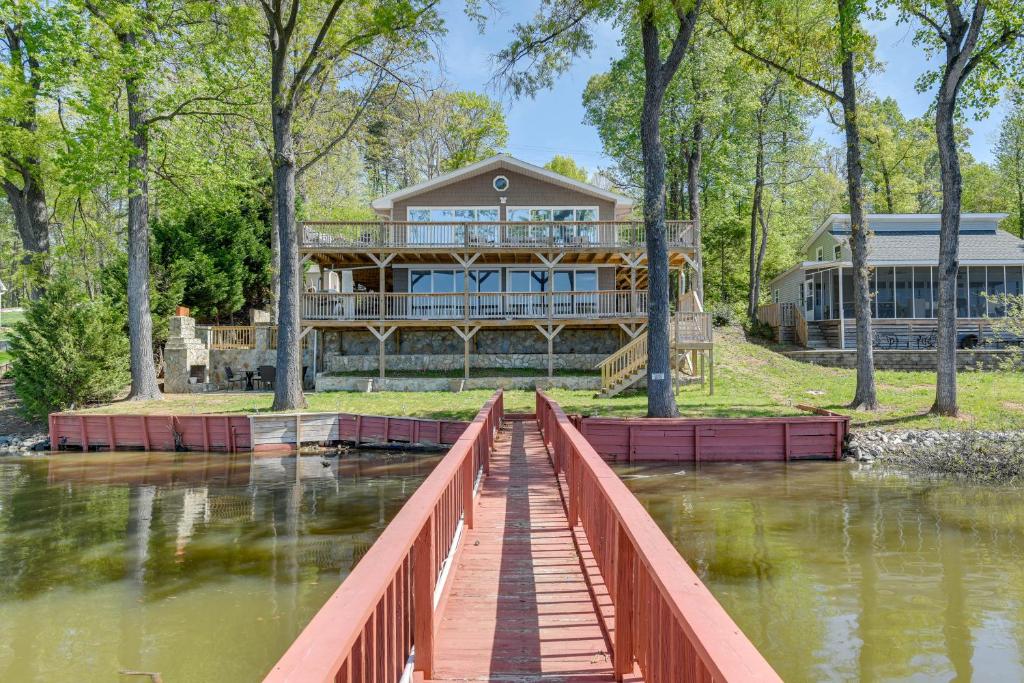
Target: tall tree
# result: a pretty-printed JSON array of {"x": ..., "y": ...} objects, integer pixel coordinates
[
  {"x": 977, "y": 40},
  {"x": 33, "y": 35},
  {"x": 309, "y": 43},
  {"x": 546, "y": 46},
  {"x": 895, "y": 156},
  {"x": 821, "y": 45},
  {"x": 567, "y": 166},
  {"x": 1010, "y": 155}
]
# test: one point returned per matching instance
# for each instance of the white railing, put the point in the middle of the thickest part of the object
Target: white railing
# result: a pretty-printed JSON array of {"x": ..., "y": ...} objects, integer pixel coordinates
[
  {"x": 564, "y": 235},
  {"x": 358, "y": 306}
]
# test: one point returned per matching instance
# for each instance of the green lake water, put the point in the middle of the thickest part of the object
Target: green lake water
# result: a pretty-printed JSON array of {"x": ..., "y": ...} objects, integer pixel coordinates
[
  {"x": 201, "y": 567},
  {"x": 841, "y": 575}
]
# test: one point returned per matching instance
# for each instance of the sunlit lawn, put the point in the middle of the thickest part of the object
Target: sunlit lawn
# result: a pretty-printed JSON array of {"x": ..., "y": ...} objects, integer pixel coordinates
[{"x": 750, "y": 381}]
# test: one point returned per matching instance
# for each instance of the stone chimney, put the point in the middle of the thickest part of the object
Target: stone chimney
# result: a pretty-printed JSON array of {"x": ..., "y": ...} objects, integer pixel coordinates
[{"x": 186, "y": 358}]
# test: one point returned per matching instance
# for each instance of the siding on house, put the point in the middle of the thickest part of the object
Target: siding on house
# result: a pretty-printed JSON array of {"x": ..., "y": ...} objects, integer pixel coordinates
[
  {"x": 789, "y": 288},
  {"x": 523, "y": 191},
  {"x": 826, "y": 241}
]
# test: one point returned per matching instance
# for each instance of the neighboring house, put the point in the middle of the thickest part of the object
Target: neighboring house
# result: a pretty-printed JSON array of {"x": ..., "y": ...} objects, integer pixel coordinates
[
  {"x": 903, "y": 254},
  {"x": 498, "y": 264}
]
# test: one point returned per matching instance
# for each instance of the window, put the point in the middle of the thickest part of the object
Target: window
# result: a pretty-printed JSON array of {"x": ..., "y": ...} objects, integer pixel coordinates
[
  {"x": 885, "y": 298},
  {"x": 923, "y": 293},
  {"x": 573, "y": 216},
  {"x": 904, "y": 292},
  {"x": 1014, "y": 280},
  {"x": 996, "y": 288},
  {"x": 775, "y": 296},
  {"x": 819, "y": 255},
  {"x": 500, "y": 183},
  {"x": 976, "y": 291},
  {"x": 962, "y": 310},
  {"x": 485, "y": 280},
  {"x": 837, "y": 252},
  {"x": 450, "y": 230}
]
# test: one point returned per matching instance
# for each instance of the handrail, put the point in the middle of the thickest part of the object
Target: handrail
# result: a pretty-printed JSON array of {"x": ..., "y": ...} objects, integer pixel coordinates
[
  {"x": 661, "y": 606},
  {"x": 685, "y": 326},
  {"x": 367, "y": 629},
  {"x": 232, "y": 337},
  {"x": 488, "y": 234}
]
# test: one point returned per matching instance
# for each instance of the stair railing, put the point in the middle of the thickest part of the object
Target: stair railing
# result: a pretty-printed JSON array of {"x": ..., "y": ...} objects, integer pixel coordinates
[
  {"x": 624, "y": 362},
  {"x": 800, "y": 326}
]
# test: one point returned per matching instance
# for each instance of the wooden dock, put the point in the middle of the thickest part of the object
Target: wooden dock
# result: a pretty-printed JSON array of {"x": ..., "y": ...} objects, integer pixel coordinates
[
  {"x": 479, "y": 577},
  {"x": 519, "y": 606}
]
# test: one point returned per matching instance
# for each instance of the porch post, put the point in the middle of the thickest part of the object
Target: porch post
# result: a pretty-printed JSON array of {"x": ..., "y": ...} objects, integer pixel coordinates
[{"x": 842, "y": 313}]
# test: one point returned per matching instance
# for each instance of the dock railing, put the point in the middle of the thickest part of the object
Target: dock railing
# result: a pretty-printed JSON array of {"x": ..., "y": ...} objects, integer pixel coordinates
[
  {"x": 666, "y": 620},
  {"x": 368, "y": 629}
]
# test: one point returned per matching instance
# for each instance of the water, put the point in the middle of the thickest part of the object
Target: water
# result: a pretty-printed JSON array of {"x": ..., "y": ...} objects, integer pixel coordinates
[
  {"x": 199, "y": 567},
  {"x": 837, "y": 575}
]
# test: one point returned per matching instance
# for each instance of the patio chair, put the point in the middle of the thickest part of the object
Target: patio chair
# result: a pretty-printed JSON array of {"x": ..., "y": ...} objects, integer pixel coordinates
[
  {"x": 266, "y": 376},
  {"x": 230, "y": 377}
]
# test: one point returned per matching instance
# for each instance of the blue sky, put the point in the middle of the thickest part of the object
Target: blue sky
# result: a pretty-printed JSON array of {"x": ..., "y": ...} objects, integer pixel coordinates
[{"x": 553, "y": 122}]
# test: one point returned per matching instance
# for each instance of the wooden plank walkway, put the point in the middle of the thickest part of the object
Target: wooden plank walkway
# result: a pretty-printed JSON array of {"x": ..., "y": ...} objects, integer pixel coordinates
[{"x": 518, "y": 607}]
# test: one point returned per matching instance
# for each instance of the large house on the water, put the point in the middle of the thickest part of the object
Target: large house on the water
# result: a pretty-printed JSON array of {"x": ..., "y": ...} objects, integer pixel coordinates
[
  {"x": 500, "y": 264},
  {"x": 813, "y": 300}
]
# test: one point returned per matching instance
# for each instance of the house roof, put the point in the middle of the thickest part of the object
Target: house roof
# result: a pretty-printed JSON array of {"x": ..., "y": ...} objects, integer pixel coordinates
[
  {"x": 997, "y": 247},
  {"x": 499, "y": 161},
  {"x": 923, "y": 221}
]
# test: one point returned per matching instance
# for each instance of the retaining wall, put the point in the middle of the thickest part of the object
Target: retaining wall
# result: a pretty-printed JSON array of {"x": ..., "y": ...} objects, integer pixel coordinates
[
  {"x": 364, "y": 384},
  {"x": 902, "y": 359},
  {"x": 334, "y": 362}
]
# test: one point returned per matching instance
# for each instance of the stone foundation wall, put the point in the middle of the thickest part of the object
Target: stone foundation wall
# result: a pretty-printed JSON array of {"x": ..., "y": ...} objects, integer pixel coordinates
[
  {"x": 326, "y": 383},
  {"x": 441, "y": 341},
  {"x": 923, "y": 360},
  {"x": 334, "y": 362}
]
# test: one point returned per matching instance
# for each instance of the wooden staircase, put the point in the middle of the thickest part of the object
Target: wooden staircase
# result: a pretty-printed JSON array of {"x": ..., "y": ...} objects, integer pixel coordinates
[{"x": 689, "y": 334}]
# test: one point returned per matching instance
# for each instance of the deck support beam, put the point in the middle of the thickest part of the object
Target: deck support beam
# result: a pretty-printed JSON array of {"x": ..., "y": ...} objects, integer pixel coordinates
[
  {"x": 633, "y": 262},
  {"x": 550, "y": 331},
  {"x": 382, "y": 336},
  {"x": 465, "y": 333}
]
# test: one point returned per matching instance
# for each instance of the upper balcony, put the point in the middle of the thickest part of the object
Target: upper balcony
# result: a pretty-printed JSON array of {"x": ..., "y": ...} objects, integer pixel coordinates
[{"x": 498, "y": 236}]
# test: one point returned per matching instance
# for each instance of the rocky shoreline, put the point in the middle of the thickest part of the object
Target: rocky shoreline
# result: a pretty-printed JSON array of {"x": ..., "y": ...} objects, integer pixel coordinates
[
  {"x": 991, "y": 456},
  {"x": 15, "y": 445}
]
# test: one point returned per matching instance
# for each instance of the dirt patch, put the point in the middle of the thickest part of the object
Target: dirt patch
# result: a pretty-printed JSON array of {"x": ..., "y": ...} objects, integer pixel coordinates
[
  {"x": 1015, "y": 407},
  {"x": 12, "y": 423}
]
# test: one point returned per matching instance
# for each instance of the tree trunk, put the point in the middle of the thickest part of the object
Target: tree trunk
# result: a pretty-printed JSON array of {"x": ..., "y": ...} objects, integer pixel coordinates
[
  {"x": 140, "y": 321},
  {"x": 754, "y": 289},
  {"x": 949, "y": 242},
  {"x": 693, "y": 194},
  {"x": 275, "y": 257},
  {"x": 865, "y": 397},
  {"x": 660, "y": 400},
  {"x": 28, "y": 204},
  {"x": 288, "y": 387}
]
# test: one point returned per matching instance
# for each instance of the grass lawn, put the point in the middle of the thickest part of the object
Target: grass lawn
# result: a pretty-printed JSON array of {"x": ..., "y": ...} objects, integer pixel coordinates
[
  {"x": 7, "y": 320},
  {"x": 750, "y": 381},
  {"x": 4, "y": 357}
]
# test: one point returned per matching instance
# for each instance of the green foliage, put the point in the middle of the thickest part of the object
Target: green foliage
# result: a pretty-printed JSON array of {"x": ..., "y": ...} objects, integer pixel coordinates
[
  {"x": 567, "y": 166},
  {"x": 69, "y": 350},
  {"x": 220, "y": 256},
  {"x": 1011, "y": 326},
  {"x": 723, "y": 314},
  {"x": 166, "y": 288},
  {"x": 1009, "y": 153}
]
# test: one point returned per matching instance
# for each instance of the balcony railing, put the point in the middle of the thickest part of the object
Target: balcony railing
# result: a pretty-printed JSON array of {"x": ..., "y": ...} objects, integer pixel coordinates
[
  {"x": 562, "y": 235},
  {"x": 481, "y": 306}
]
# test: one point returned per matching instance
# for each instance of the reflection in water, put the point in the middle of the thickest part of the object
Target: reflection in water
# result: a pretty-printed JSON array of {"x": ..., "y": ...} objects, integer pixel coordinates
[
  {"x": 838, "y": 575},
  {"x": 200, "y": 567}
]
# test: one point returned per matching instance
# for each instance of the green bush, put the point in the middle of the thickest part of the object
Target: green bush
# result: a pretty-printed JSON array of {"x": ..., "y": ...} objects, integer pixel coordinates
[
  {"x": 69, "y": 350},
  {"x": 722, "y": 315}
]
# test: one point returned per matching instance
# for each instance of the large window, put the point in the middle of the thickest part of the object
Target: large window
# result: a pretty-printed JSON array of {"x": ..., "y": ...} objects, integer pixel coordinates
[
  {"x": 450, "y": 229},
  {"x": 1015, "y": 280},
  {"x": 996, "y": 288},
  {"x": 571, "y": 215},
  {"x": 904, "y": 282},
  {"x": 976, "y": 292},
  {"x": 962, "y": 309}
]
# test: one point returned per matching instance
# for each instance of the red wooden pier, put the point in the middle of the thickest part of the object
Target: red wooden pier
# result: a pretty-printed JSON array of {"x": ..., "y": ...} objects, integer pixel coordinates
[{"x": 522, "y": 557}]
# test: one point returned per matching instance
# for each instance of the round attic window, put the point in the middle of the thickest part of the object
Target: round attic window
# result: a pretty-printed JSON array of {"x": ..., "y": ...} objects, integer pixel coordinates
[{"x": 500, "y": 183}]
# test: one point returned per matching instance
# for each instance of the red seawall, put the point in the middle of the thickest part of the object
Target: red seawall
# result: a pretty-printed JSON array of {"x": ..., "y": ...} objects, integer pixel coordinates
[
  {"x": 233, "y": 433},
  {"x": 710, "y": 440}
]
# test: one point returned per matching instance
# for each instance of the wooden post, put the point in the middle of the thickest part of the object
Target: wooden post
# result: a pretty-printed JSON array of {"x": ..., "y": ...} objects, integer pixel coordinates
[
  {"x": 381, "y": 336},
  {"x": 423, "y": 601},
  {"x": 711, "y": 370},
  {"x": 467, "y": 493},
  {"x": 83, "y": 433},
  {"x": 622, "y": 656},
  {"x": 785, "y": 440}
]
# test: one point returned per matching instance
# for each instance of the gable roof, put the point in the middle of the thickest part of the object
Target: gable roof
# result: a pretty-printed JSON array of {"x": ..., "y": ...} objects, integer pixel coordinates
[
  {"x": 499, "y": 161},
  {"x": 878, "y": 221}
]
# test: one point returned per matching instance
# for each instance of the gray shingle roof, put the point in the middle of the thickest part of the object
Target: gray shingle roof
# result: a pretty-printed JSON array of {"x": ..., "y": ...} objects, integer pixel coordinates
[{"x": 999, "y": 246}]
